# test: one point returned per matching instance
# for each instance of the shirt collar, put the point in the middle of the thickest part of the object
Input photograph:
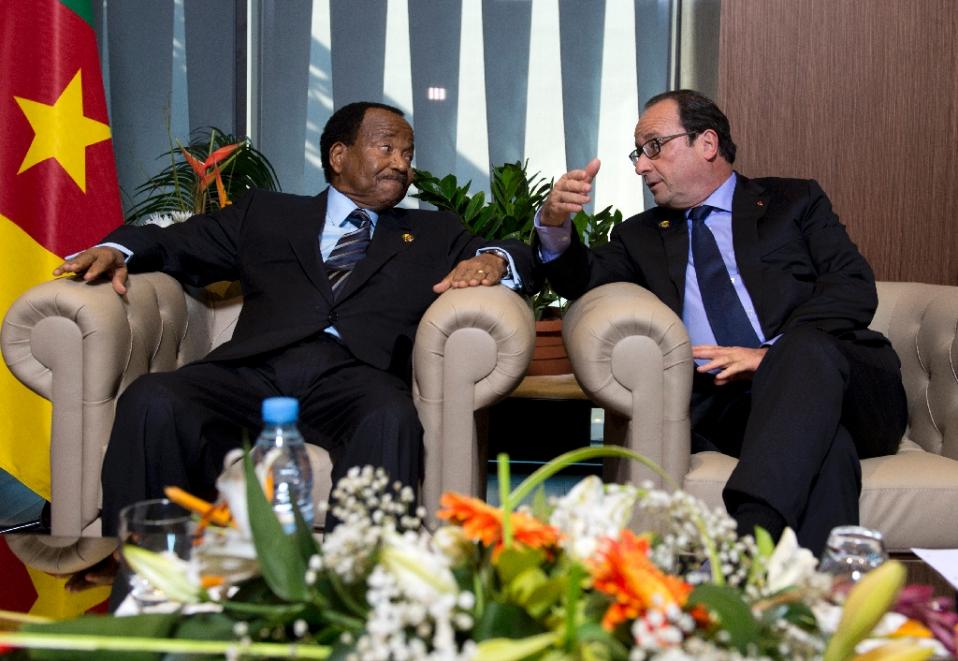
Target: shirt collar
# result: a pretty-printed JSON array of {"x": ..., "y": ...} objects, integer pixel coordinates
[
  {"x": 338, "y": 207},
  {"x": 721, "y": 197}
]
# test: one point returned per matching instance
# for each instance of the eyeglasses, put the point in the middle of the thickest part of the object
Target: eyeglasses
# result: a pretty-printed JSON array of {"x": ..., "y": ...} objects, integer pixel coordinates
[{"x": 652, "y": 148}]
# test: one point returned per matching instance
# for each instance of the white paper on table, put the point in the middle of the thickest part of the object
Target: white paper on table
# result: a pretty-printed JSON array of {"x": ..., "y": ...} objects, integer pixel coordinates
[{"x": 944, "y": 561}]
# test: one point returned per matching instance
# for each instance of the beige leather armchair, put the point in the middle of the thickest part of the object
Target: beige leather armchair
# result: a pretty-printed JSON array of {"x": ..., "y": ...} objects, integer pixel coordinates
[
  {"x": 631, "y": 355},
  {"x": 81, "y": 345}
]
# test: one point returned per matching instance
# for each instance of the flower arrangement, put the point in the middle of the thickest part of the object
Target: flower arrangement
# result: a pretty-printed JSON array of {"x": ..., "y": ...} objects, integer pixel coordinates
[{"x": 553, "y": 580}]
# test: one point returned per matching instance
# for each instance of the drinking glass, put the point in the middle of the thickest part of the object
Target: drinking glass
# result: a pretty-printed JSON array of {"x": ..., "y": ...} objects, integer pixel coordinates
[
  {"x": 161, "y": 526},
  {"x": 852, "y": 551}
]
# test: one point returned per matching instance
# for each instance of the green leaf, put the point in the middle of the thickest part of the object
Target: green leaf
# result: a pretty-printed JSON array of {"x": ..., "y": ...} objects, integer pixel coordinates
[
  {"x": 533, "y": 590},
  {"x": 501, "y": 620},
  {"x": 540, "y": 504},
  {"x": 764, "y": 542},
  {"x": 473, "y": 208},
  {"x": 505, "y": 649},
  {"x": 305, "y": 541},
  {"x": 279, "y": 555},
  {"x": 513, "y": 561},
  {"x": 733, "y": 614}
]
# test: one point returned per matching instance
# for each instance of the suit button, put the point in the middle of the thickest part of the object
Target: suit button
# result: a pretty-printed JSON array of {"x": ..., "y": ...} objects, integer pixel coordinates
[{"x": 332, "y": 317}]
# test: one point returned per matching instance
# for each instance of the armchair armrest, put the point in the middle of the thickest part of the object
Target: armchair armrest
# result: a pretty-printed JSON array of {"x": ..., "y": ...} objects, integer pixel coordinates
[
  {"x": 631, "y": 355},
  {"x": 921, "y": 320},
  {"x": 472, "y": 348},
  {"x": 79, "y": 345}
]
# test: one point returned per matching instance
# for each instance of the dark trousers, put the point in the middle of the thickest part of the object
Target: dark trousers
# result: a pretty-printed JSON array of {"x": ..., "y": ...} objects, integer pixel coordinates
[
  {"x": 815, "y": 407},
  {"x": 174, "y": 428}
]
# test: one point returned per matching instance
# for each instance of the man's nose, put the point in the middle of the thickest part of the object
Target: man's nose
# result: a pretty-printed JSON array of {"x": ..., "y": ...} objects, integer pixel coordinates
[
  {"x": 643, "y": 164},
  {"x": 399, "y": 162}
]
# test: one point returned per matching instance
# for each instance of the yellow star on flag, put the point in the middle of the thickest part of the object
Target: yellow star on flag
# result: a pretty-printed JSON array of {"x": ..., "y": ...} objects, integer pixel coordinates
[
  {"x": 55, "y": 602},
  {"x": 62, "y": 132}
]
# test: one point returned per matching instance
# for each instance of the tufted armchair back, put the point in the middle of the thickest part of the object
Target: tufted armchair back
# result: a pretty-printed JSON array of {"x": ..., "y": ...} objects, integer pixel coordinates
[{"x": 920, "y": 320}]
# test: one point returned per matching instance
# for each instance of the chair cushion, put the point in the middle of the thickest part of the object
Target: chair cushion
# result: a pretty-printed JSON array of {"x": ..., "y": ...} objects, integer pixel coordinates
[{"x": 910, "y": 497}]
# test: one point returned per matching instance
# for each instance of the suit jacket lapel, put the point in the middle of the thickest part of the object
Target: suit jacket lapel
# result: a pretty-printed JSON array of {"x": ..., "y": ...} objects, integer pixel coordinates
[
  {"x": 388, "y": 239},
  {"x": 304, "y": 237},
  {"x": 748, "y": 206},
  {"x": 675, "y": 240}
]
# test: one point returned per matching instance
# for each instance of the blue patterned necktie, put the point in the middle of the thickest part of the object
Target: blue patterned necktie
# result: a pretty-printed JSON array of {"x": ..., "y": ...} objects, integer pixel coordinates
[
  {"x": 724, "y": 310},
  {"x": 350, "y": 248}
]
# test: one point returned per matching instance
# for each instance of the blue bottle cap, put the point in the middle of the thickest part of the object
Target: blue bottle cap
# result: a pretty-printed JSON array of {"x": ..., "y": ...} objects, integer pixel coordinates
[{"x": 280, "y": 410}]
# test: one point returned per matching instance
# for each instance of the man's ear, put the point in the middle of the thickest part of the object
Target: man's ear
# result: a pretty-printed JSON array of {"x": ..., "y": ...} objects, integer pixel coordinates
[
  {"x": 337, "y": 153},
  {"x": 709, "y": 142}
]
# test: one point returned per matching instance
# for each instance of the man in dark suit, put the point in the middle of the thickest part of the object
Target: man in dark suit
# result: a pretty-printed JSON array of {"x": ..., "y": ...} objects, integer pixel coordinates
[
  {"x": 334, "y": 287},
  {"x": 777, "y": 301}
]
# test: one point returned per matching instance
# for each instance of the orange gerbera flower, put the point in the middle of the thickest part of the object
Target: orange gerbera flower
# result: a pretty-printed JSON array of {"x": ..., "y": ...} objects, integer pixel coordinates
[
  {"x": 483, "y": 523},
  {"x": 621, "y": 568}
]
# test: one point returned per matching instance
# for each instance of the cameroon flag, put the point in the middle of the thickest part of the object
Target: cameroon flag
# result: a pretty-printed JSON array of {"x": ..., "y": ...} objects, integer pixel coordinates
[{"x": 58, "y": 186}]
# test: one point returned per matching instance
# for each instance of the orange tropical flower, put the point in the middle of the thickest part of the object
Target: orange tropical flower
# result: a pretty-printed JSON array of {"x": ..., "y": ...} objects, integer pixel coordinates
[
  {"x": 483, "y": 523},
  {"x": 621, "y": 568}
]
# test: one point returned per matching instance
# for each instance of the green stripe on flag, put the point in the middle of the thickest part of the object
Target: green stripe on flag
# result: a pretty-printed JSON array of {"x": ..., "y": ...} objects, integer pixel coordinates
[{"x": 83, "y": 9}]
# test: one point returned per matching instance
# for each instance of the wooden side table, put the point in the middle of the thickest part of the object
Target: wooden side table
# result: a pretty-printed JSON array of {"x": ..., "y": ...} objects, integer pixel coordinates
[{"x": 558, "y": 386}]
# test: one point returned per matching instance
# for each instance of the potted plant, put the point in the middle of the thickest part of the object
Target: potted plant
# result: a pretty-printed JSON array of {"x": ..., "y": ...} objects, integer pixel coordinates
[
  {"x": 509, "y": 214},
  {"x": 215, "y": 168}
]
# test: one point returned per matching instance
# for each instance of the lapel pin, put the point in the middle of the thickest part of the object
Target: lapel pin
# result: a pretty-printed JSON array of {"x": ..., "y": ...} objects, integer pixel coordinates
[
  {"x": 407, "y": 237},
  {"x": 760, "y": 203},
  {"x": 665, "y": 224}
]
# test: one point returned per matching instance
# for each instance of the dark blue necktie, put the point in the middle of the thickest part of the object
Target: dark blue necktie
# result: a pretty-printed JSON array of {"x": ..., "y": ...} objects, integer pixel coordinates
[
  {"x": 727, "y": 317},
  {"x": 350, "y": 248}
]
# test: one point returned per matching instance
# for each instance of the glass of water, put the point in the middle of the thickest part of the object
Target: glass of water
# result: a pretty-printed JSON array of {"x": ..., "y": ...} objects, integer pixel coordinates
[
  {"x": 161, "y": 526},
  {"x": 851, "y": 552}
]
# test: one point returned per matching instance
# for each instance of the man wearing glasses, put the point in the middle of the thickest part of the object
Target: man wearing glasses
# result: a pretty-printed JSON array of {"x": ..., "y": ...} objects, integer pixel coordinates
[{"x": 777, "y": 301}]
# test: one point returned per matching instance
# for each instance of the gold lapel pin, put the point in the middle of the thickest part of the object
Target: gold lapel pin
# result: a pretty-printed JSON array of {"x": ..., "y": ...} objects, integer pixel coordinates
[
  {"x": 407, "y": 237},
  {"x": 665, "y": 224}
]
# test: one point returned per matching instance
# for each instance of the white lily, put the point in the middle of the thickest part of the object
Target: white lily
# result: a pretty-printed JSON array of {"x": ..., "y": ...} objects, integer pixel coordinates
[
  {"x": 789, "y": 564},
  {"x": 591, "y": 511},
  {"x": 421, "y": 573}
]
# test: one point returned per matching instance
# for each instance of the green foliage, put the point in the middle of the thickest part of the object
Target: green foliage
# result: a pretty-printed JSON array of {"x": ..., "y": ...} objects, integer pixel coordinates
[
  {"x": 510, "y": 213},
  {"x": 516, "y": 196},
  {"x": 177, "y": 187}
]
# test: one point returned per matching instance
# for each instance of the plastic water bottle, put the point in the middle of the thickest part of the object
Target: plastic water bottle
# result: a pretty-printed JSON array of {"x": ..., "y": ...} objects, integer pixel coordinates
[{"x": 280, "y": 446}]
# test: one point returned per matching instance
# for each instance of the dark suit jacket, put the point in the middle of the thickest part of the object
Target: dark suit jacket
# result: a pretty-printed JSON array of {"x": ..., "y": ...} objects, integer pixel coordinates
[
  {"x": 796, "y": 260},
  {"x": 269, "y": 242}
]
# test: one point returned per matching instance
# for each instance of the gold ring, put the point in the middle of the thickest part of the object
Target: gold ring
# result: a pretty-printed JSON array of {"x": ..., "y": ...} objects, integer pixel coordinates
[{"x": 481, "y": 272}]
